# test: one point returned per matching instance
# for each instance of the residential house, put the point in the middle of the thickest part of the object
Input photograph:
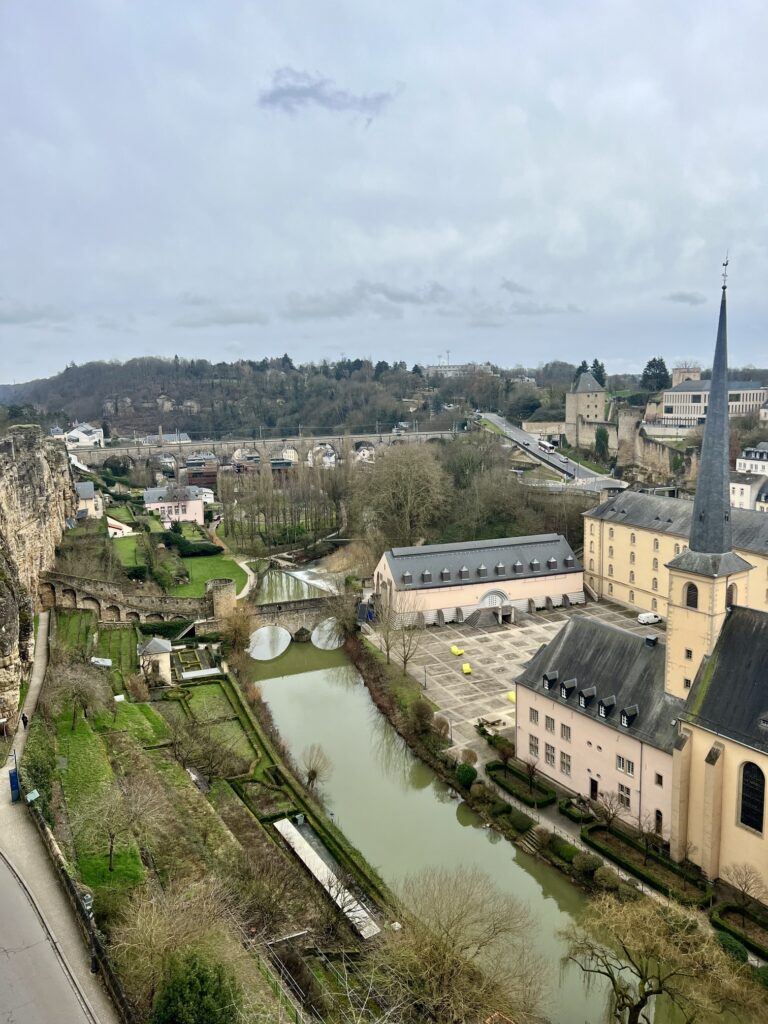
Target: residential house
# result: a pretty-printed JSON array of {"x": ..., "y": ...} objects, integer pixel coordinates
[
  {"x": 753, "y": 459},
  {"x": 175, "y": 504},
  {"x": 90, "y": 504},
  {"x": 745, "y": 489},
  {"x": 155, "y": 660}
]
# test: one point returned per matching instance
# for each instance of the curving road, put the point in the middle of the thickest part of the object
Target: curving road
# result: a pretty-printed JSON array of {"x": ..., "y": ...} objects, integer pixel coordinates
[{"x": 530, "y": 444}]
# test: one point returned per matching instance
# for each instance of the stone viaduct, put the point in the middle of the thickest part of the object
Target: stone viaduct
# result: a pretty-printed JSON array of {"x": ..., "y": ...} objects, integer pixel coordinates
[{"x": 266, "y": 449}]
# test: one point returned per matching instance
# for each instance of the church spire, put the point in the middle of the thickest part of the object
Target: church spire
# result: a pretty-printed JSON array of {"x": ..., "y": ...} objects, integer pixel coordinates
[{"x": 711, "y": 524}]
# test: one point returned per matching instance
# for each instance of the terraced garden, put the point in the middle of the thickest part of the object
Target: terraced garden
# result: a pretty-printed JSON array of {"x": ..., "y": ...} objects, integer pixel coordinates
[
  {"x": 119, "y": 645},
  {"x": 210, "y": 567},
  {"x": 75, "y": 631}
]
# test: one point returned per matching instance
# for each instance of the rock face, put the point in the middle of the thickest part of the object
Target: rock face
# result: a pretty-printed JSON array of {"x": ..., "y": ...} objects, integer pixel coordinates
[{"x": 36, "y": 495}]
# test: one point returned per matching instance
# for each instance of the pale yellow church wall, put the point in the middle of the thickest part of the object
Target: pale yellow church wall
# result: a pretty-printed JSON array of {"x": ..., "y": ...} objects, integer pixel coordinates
[
  {"x": 429, "y": 599},
  {"x": 593, "y": 748},
  {"x": 737, "y": 843},
  {"x": 648, "y": 545}
]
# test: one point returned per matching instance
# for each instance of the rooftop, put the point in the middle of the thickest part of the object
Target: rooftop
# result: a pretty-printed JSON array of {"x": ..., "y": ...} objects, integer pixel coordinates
[
  {"x": 155, "y": 645},
  {"x": 85, "y": 491},
  {"x": 704, "y": 385},
  {"x": 444, "y": 565},
  {"x": 587, "y": 383},
  {"x": 154, "y": 494},
  {"x": 673, "y": 516},
  {"x": 592, "y": 667},
  {"x": 729, "y": 695}
]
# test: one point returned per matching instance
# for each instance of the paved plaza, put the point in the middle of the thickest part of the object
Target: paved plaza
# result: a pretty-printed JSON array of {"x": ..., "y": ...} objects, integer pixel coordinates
[{"x": 497, "y": 655}]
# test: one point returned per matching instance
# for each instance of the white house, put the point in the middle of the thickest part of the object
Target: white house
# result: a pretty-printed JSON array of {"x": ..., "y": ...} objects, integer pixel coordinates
[
  {"x": 753, "y": 460},
  {"x": 83, "y": 435},
  {"x": 176, "y": 504},
  {"x": 746, "y": 488}
]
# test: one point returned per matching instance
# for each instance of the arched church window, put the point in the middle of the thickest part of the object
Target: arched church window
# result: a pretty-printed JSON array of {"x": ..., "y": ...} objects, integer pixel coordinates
[
  {"x": 731, "y": 595},
  {"x": 610, "y": 533},
  {"x": 591, "y": 564},
  {"x": 632, "y": 596},
  {"x": 610, "y": 588},
  {"x": 610, "y": 570},
  {"x": 631, "y": 577},
  {"x": 610, "y": 550},
  {"x": 752, "y": 796},
  {"x": 691, "y": 595},
  {"x": 655, "y": 564},
  {"x": 677, "y": 549}
]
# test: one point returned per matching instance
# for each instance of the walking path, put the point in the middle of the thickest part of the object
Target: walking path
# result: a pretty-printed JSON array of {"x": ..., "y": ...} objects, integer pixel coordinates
[
  {"x": 241, "y": 560},
  {"x": 44, "y": 965}
]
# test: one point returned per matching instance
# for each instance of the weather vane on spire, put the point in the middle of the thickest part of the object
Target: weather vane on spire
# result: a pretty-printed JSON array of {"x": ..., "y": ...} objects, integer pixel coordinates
[{"x": 725, "y": 272}]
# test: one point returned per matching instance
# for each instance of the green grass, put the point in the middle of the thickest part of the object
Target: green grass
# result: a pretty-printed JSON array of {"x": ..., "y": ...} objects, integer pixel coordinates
[
  {"x": 122, "y": 513},
  {"x": 154, "y": 524},
  {"x": 129, "y": 551},
  {"x": 232, "y": 735},
  {"x": 193, "y": 532},
  {"x": 492, "y": 427},
  {"x": 208, "y": 701},
  {"x": 75, "y": 631},
  {"x": 202, "y": 569},
  {"x": 139, "y": 720}
]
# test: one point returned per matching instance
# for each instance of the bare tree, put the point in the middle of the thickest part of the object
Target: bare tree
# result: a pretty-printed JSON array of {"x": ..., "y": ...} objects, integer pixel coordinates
[
  {"x": 748, "y": 883},
  {"x": 80, "y": 685},
  {"x": 506, "y": 754},
  {"x": 469, "y": 756},
  {"x": 317, "y": 765},
  {"x": 608, "y": 807},
  {"x": 195, "y": 745},
  {"x": 649, "y": 836},
  {"x": 646, "y": 949},
  {"x": 117, "y": 811},
  {"x": 385, "y": 621},
  {"x": 236, "y": 629},
  {"x": 441, "y": 726},
  {"x": 342, "y": 611},
  {"x": 408, "y": 635},
  {"x": 464, "y": 951},
  {"x": 531, "y": 767}
]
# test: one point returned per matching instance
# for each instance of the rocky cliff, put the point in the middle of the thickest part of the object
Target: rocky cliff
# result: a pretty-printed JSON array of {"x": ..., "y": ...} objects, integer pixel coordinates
[{"x": 36, "y": 495}]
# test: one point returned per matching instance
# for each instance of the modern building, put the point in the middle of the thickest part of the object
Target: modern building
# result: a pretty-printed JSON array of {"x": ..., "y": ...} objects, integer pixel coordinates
[
  {"x": 686, "y": 404},
  {"x": 176, "y": 504},
  {"x": 745, "y": 489},
  {"x": 83, "y": 435},
  {"x": 441, "y": 583},
  {"x": 695, "y": 731},
  {"x": 90, "y": 504},
  {"x": 754, "y": 460}
]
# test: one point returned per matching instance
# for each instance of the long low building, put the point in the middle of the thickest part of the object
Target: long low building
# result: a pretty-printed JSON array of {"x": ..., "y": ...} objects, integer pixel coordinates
[
  {"x": 447, "y": 582},
  {"x": 629, "y": 539}
]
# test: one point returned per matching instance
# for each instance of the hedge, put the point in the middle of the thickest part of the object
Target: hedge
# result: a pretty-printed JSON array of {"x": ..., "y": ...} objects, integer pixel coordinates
[
  {"x": 520, "y": 820},
  {"x": 568, "y": 808},
  {"x": 733, "y": 947},
  {"x": 589, "y": 835},
  {"x": 562, "y": 848},
  {"x": 169, "y": 630},
  {"x": 187, "y": 548},
  {"x": 718, "y": 921},
  {"x": 516, "y": 782}
]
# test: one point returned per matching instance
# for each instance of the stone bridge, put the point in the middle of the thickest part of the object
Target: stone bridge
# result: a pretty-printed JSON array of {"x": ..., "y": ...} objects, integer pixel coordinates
[
  {"x": 266, "y": 449},
  {"x": 298, "y": 617}
]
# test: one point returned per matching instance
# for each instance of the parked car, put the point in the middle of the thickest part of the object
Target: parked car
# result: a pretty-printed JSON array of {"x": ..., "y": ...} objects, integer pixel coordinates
[
  {"x": 648, "y": 618},
  {"x": 563, "y": 458}
]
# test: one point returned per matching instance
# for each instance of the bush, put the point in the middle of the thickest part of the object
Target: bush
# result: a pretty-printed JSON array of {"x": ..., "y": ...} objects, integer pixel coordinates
[
  {"x": 466, "y": 775},
  {"x": 137, "y": 572},
  {"x": 562, "y": 848},
  {"x": 479, "y": 791},
  {"x": 187, "y": 548},
  {"x": 607, "y": 879},
  {"x": 196, "y": 992},
  {"x": 586, "y": 864},
  {"x": 733, "y": 947},
  {"x": 516, "y": 782},
  {"x": 38, "y": 765},
  {"x": 717, "y": 919},
  {"x": 571, "y": 811},
  {"x": 520, "y": 820},
  {"x": 761, "y": 973},
  {"x": 421, "y": 716},
  {"x": 499, "y": 807}
]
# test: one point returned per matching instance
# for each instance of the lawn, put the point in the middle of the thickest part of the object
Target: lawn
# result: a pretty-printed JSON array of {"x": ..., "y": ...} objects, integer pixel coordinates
[
  {"x": 129, "y": 551},
  {"x": 75, "y": 631},
  {"x": 154, "y": 524},
  {"x": 208, "y": 701},
  {"x": 120, "y": 646},
  {"x": 139, "y": 720},
  {"x": 232, "y": 735},
  {"x": 122, "y": 513},
  {"x": 492, "y": 427},
  {"x": 193, "y": 532},
  {"x": 204, "y": 568}
]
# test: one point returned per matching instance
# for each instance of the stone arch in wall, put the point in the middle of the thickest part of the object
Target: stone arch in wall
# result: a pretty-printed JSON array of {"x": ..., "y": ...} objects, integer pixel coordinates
[
  {"x": 90, "y": 604},
  {"x": 493, "y": 599},
  {"x": 752, "y": 796},
  {"x": 46, "y": 593},
  {"x": 132, "y": 617},
  {"x": 68, "y": 598},
  {"x": 111, "y": 613},
  {"x": 154, "y": 617}
]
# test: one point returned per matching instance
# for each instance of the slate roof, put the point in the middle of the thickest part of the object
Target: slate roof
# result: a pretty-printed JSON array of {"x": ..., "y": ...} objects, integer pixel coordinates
[
  {"x": 704, "y": 385},
  {"x": 729, "y": 695},
  {"x": 673, "y": 516},
  {"x": 85, "y": 491},
  {"x": 586, "y": 383},
  {"x": 155, "y": 645},
  {"x": 498, "y": 557},
  {"x": 154, "y": 494},
  {"x": 618, "y": 664}
]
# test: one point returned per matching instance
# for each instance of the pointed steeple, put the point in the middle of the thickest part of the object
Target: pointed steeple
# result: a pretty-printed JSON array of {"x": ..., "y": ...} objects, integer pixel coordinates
[{"x": 711, "y": 523}]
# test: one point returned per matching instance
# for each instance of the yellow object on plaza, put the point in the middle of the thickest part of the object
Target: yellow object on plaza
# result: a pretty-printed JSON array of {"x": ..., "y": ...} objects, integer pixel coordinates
[
  {"x": 456, "y": 650},
  {"x": 512, "y": 696},
  {"x": 466, "y": 668}
]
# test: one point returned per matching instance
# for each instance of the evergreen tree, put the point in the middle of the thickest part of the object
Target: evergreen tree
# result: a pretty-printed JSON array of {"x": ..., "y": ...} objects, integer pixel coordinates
[
  {"x": 196, "y": 992},
  {"x": 655, "y": 375},
  {"x": 582, "y": 368},
  {"x": 597, "y": 369}
]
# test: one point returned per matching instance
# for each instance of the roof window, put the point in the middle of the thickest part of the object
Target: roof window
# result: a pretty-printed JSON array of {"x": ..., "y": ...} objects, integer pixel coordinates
[
  {"x": 482, "y": 571},
  {"x": 567, "y": 687},
  {"x": 628, "y": 715},
  {"x": 500, "y": 568},
  {"x": 550, "y": 678},
  {"x": 463, "y": 573},
  {"x": 551, "y": 562},
  {"x": 518, "y": 566},
  {"x": 535, "y": 565},
  {"x": 586, "y": 696},
  {"x": 445, "y": 575},
  {"x": 426, "y": 576},
  {"x": 407, "y": 578},
  {"x": 606, "y": 706},
  {"x": 569, "y": 562}
]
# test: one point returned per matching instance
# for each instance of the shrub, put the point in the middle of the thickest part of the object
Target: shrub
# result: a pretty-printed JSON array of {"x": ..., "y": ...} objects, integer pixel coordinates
[
  {"x": 137, "y": 572},
  {"x": 571, "y": 811},
  {"x": 421, "y": 716},
  {"x": 562, "y": 848},
  {"x": 586, "y": 864},
  {"x": 520, "y": 820},
  {"x": 516, "y": 782},
  {"x": 607, "y": 879},
  {"x": 466, "y": 775},
  {"x": 137, "y": 688},
  {"x": 733, "y": 947},
  {"x": 38, "y": 765},
  {"x": 499, "y": 807},
  {"x": 441, "y": 727},
  {"x": 187, "y": 548},
  {"x": 468, "y": 756},
  {"x": 196, "y": 992},
  {"x": 762, "y": 975},
  {"x": 479, "y": 791}
]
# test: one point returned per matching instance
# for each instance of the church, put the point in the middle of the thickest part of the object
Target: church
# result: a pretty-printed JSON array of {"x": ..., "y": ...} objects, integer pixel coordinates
[{"x": 676, "y": 727}]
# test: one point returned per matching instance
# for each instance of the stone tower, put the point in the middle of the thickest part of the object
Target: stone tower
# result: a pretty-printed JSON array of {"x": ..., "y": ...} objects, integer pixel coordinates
[{"x": 707, "y": 577}]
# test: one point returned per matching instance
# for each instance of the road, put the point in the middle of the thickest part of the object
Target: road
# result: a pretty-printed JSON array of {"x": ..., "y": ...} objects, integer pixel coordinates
[
  {"x": 530, "y": 444},
  {"x": 44, "y": 964}
]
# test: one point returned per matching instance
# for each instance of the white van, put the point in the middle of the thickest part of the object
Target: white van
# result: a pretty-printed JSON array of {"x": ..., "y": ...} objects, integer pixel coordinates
[{"x": 648, "y": 618}]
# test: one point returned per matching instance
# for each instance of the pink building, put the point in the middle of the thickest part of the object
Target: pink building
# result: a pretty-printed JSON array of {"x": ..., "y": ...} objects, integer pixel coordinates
[
  {"x": 176, "y": 504},
  {"x": 593, "y": 713}
]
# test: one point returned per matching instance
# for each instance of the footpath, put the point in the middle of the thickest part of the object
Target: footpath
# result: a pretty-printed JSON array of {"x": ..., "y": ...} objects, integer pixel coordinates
[{"x": 44, "y": 964}]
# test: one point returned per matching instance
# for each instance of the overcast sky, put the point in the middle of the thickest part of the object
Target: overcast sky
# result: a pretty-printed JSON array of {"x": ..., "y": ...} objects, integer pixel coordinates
[{"x": 508, "y": 181}]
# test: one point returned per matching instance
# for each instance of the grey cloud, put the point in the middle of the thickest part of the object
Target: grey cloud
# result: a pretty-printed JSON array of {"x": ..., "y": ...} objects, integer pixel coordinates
[
  {"x": 373, "y": 297},
  {"x": 222, "y": 316},
  {"x": 530, "y": 308},
  {"x": 292, "y": 90},
  {"x": 194, "y": 299},
  {"x": 19, "y": 314},
  {"x": 514, "y": 287},
  {"x": 107, "y": 322},
  {"x": 686, "y": 298}
]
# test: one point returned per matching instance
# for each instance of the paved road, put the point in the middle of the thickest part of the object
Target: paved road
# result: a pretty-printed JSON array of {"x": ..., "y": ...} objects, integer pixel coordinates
[
  {"x": 529, "y": 443},
  {"x": 44, "y": 965}
]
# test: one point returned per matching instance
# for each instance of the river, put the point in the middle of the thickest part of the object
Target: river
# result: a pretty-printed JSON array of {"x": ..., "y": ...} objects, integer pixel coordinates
[{"x": 401, "y": 816}]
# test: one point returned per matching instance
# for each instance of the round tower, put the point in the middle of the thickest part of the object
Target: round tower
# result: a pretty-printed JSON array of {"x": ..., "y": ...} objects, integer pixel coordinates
[{"x": 223, "y": 596}]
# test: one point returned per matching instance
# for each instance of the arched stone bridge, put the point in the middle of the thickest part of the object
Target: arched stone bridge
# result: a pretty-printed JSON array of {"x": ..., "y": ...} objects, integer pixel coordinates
[{"x": 266, "y": 449}]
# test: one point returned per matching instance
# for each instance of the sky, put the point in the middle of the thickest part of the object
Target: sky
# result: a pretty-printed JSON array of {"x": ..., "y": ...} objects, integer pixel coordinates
[{"x": 498, "y": 180}]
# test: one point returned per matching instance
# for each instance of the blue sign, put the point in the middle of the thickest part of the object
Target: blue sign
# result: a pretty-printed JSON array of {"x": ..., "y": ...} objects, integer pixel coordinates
[{"x": 13, "y": 778}]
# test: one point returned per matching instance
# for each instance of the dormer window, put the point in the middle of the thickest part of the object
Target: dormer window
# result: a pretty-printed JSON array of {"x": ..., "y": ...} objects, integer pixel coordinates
[
  {"x": 551, "y": 563},
  {"x": 426, "y": 576},
  {"x": 463, "y": 573},
  {"x": 535, "y": 565},
  {"x": 567, "y": 687},
  {"x": 482, "y": 572},
  {"x": 569, "y": 562},
  {"x": 499, "y": 569},
  {"x": 407, "y": 578},
  {"x": 606, "y": 706},
  {"x": 586, "y": 696},
  {"x": 518, "y": 566},
  {"x": 445, "y": 575},
  {"x": 628, "y": 715},
  {"x": 550, "y": 680}
]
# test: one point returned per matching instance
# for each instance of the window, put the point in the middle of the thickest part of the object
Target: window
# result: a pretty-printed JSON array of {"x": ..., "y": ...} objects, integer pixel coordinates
[
  {"x": 632, "y": 558},
  {"x": 610, "y": 533},
  {"x": 624, "y": 795},
  {"x": 654, "y": 604},
  {"x": 610, "y": 570},
  {"x": 630, "y": 768},
  {"x": 658, "y": 823},
  {"x": 631, "y": 538},
  {"x": 610, "y": 590},
  {"x": 533, "y": 715},
  {"x": 731, "y": 595},
  {"x": 565, "y": 732},
  {"x": 533, "y": 746},
  {"x": 631, "y": 597},
  {"x": 549, "y": 724},
  {"x": 659, "y": 780},
  {"x": 688, "y": 654},
  {"x": 752, "y": 796},
  {"x": 687, "y": 684},
  {"x": 549, "y": 754},
  {"x": 654, "y": 584},
  {"x": 620, "y": 763},
  {"x": 565, "y": 763},
  {"x": 631, "y": 575},
  {"x": 655, "y": 564},
  {"x": 591, "y": 547},
  {"x": 677, "y": 549},
  {"x": 691, "y": 595},
  {"x": 591, "y": 564},
  {"x": 610, "y": 550},
  {"x": 591, "y": 529},
  {"x": 655, "y": 543}
]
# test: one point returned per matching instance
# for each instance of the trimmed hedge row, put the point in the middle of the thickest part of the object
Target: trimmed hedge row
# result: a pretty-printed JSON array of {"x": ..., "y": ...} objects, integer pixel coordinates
[
  {"x": 589, "y": 835},
  {"x": 725, "y": 926},
  {"x": 187, "y": 548},
  {"x": 570, "y": 811},
  {"x": 515, "y": 782}
]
